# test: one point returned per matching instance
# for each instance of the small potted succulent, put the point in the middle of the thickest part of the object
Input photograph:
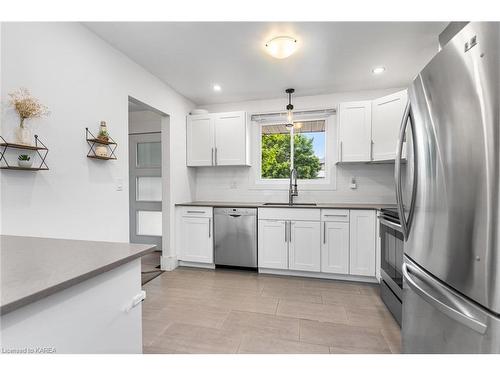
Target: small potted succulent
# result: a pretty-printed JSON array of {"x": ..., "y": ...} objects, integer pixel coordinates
[
  {"x": 103, "y": 134},
  {"x": 24, "y": 161}
]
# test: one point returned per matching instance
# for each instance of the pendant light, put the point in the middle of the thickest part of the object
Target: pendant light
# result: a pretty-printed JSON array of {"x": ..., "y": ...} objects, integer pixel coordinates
[{"x": 289, "y": 108}]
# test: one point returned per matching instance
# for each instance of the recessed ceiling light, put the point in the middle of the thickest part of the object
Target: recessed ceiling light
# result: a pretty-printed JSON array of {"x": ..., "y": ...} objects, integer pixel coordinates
[
  {"x": 217, "y": 88},
  {"x": 378, "y": 70},
  {"x": 281, "y": 47}
]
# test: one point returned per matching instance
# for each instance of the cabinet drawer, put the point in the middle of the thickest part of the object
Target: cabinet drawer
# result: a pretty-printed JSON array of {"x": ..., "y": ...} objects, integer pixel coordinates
[
  {"x": 193, "y": 211},
  {"x": 300, "y": 214},
  {"x": 335, "y": 215}
]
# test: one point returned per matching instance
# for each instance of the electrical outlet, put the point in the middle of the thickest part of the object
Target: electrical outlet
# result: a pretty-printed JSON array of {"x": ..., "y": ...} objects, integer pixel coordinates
[
  {"x": 353, "y": 185},
  {"x": 119, "y": 184}
]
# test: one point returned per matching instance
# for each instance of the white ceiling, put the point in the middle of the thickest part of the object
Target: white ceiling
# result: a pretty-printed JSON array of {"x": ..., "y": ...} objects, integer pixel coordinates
[{"x": 332, "y": 56}]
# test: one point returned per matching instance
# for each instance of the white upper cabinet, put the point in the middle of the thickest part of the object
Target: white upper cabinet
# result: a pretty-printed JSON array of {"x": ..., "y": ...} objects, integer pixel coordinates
[
  {"x": 200, "y": 140},
  {"x": 387, "y": 113},
  {"x": 218, "y": 139},
  {"x": 368, "y": 130},
  {"x": 362, "y": 257},
  {"x": 354, "y": 131},
  {"x": 231, "y": 139},
  {"x": 305, "y": 248}
]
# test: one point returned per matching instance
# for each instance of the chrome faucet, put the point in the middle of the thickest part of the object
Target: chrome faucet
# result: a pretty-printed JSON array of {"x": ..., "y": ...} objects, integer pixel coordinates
[{"x": 292, "y": 191}]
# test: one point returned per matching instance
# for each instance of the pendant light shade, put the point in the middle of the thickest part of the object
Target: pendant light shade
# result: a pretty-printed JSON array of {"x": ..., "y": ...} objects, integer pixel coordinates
[{"x": 289, "y": 109}]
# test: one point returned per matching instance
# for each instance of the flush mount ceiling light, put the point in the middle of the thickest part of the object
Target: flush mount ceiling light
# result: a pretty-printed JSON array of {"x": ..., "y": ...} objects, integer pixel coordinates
[
  {"x": 281, "y": 47},
  {"x": 378, "y": 70},
  {"x": 217, "y": 87}
]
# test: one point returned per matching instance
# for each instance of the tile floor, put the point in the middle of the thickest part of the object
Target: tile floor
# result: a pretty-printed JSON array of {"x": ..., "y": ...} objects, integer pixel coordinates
[{"x": 224, "y": 311}]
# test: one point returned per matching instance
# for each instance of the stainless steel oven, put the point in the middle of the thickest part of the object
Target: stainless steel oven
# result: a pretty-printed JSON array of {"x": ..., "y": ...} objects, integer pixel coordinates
[{"x": 392, "y": 250}]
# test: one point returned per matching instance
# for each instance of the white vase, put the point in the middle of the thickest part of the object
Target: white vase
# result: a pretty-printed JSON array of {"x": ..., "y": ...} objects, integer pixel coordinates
[
  {"x": 25, "y": 163},
  {"x": 23, "y": 136},
  {"x": 101, "y": 151}
]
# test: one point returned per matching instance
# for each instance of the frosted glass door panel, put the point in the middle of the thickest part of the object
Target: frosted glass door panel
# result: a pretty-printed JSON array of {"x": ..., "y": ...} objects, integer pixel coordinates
[
  {"x": 149, "y": 155},
  {"x": 149, "y": 223},
  {"x": 149, "y": 189}
]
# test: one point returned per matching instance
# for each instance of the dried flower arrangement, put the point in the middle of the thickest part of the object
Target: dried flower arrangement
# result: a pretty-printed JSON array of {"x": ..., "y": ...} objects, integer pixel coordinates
[{"x": 27, "y": 106}]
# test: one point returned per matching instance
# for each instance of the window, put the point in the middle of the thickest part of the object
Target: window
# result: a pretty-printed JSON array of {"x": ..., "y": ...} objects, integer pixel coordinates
[{"x": 309, "y": 143}]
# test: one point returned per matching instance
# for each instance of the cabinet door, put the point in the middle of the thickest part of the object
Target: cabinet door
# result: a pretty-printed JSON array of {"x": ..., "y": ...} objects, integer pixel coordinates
[
  {"x": 335, "y": 247},
  {"x": 273, "y": 245},
  {"x": 387, "y": 113},
  {"x": 230, "y": 138},
  {"x": 305, "y": 246},
  {"x": 355, "y": 131},
  {"x": 200, "y": 141},
  {"x": 196, "y": 243},
  {"x": 362, "y": 245}
]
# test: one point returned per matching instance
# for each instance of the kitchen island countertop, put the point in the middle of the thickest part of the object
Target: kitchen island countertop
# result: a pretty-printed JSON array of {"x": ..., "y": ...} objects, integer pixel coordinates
[{"x": 33, "y": 268}]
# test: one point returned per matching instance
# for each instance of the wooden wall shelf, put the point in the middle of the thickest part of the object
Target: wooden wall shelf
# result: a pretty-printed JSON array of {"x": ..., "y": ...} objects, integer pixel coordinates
[
  {"x": 39, "y": 147},
  {"x": 93, "y": 141}
]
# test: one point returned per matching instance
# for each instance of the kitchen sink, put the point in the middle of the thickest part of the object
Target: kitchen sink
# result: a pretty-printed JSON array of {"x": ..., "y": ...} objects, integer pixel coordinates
[{"x": 291, "y": 205}]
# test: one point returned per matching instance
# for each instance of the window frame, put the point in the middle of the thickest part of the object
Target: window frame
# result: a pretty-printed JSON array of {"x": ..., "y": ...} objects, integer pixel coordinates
[{"x": 326, "y": 183}]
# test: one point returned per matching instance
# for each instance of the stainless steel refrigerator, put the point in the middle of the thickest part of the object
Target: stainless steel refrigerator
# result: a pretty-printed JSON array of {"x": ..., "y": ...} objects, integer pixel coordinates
[{"x": 449, "y": 196}]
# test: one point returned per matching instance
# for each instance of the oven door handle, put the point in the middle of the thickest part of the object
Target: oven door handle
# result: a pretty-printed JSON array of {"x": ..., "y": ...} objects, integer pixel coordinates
[{"x": 392, "y": 225}]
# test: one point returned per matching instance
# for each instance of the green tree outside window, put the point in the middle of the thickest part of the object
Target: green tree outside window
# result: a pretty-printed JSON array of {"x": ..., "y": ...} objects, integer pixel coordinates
[{"x": 276, "y": 156}]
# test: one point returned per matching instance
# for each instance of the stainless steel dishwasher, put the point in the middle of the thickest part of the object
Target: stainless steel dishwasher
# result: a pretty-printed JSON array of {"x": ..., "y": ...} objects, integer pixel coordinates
[{"x": 235, "y": 235}]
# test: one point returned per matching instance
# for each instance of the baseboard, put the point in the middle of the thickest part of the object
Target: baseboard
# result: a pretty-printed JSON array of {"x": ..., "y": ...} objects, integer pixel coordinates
[
  {"x": 196, "y": 264},
  {"x": 168, "y": 263},
  {"x": 319, "y": 275}
]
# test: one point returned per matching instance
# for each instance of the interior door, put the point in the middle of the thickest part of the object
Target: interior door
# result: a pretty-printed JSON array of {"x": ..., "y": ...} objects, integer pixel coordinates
[
  {"x": 455, "y": 105},
  {"x": 145, "y": 186}
]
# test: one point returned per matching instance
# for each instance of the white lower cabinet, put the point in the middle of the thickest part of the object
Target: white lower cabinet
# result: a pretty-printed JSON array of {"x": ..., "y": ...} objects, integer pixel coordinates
[
  {"x": 273, "y": 244},
  {"x": 196, "y": 236},
  {"x": 362, "y": 238},
  {"x": 335, "y": 247},
  {"x": 304, "y": 246},
  {"x": 336, "y": 242}
]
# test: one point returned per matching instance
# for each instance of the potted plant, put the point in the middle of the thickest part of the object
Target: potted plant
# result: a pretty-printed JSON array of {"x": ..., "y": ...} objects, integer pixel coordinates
[
  {"x": 24, "y": 161},
  {"x": 103, "y": 134},
  {"x": 27, "y": 107}
]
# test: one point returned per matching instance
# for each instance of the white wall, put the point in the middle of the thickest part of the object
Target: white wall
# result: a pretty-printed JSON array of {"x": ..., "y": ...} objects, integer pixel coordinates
[
  {"x": 83, "y": 80},
  {"x": 144, "y": 122},
  {"x": 375, "y": 181}
]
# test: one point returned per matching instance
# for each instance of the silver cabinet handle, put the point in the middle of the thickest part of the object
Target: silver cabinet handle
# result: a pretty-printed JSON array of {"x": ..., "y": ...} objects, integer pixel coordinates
[
  {"x": 286, "y": 224},
  {"x": 212, "y": 160},
  {"x": 371, "y": 150},
  {"x": 289, "y": 231},
  {"x": 335, "y": 215},
  {"x": 324, "y": 232},
  {"x": 216, "y": 156},
  {"x": 195, "y": 212},
  {"x": 209, "y": 227},
  {"x": 464, "y": 317},
  {"x": 340, "y": 151}
]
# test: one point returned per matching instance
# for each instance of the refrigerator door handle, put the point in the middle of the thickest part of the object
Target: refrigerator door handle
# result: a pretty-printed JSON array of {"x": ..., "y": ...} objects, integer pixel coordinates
[
  {"x": 464, "y": 317},
  {"x": 405, "y": 223}
]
